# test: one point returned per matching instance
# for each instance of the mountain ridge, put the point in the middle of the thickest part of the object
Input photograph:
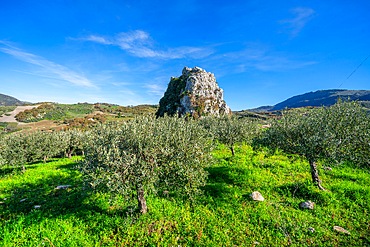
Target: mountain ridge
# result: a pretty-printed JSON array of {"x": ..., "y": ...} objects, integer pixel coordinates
[
  {"x": 317, "y": 98},
  {"x": 6, "y": 100}
]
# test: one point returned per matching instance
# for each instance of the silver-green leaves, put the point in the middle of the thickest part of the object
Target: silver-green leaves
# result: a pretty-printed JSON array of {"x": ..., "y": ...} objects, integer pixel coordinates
[{"x": 148, "y": 155}]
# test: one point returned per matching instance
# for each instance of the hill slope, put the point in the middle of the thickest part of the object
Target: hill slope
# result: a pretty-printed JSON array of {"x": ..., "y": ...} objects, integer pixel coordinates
[
  {"x": 6, "y": 100},
  {"x": 318, "y": 98}
]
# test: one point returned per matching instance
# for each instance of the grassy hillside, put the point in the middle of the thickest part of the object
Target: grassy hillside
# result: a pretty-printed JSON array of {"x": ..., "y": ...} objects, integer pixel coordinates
[
  {"x": 34, "y": 213},
  {"x": 63, "y": 112}
]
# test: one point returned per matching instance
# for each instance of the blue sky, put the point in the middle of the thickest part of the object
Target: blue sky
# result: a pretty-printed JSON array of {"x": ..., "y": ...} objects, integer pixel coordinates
[{"x": 124, "y": 52}]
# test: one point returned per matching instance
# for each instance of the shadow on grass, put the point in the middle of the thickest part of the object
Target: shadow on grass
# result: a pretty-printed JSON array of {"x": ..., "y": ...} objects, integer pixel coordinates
[
  {"x": 220, "y": 175},
  {"x": 302, "y": 191},
  {"x": 219, "y": 180},
  {"x": 41, "y": 197},
  {"x": 5, "y": 171},
  {"x": 349, "y": 177},
  {"x": 14, "y": 170}
]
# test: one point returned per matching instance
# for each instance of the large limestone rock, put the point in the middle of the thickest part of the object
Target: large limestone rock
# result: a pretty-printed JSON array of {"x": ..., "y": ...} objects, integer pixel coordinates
[{"x": 194, "y": 93}]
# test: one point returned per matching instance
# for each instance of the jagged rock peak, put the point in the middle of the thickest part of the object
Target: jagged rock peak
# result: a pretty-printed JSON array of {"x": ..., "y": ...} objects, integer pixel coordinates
[
  {"x": 194, "y": 93},
  {"x": 186, "y": 70}
]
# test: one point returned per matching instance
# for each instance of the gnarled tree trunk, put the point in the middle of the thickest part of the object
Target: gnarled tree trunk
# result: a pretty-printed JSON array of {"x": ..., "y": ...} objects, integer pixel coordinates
[
  {"x": 69, "y": 153},
  {"x": 141, "y": 200},
  {"x": 315, "y": 175},
  {"x": 232, "y": 150}
]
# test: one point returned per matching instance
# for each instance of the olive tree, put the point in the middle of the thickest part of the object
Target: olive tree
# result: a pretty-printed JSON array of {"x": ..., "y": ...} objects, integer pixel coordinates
[
  {"x": 21, "y": 148},
  {"x": 72, "y": 141},
  {"x": 349, "y": 126},
  {"x": 47, "y": 145},
  {"x": 339, "y": 132},
  {"x": 2, "y": 151},
  {"x": 147, "y": 155},
  {"x": 230, "y": 130},
  {"x": 15, "y": 150}
]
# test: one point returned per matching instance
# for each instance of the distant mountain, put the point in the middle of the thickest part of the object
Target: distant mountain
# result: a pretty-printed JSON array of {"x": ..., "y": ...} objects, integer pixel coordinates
[
  {"x": 318, "y": 98},
  {"x": 6, "y": 100}
]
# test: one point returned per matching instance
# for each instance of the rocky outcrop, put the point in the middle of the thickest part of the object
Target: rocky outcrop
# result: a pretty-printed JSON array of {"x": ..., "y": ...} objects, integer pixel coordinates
[{"x": 194, "y": 93}]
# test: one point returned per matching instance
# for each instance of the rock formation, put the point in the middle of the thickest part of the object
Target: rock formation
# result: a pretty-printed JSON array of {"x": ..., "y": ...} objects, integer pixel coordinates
[{"x": 194, "y": 93}]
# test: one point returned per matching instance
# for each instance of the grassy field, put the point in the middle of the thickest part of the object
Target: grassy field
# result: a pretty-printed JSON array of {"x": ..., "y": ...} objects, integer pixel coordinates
[{"x": 34, "y": 213}]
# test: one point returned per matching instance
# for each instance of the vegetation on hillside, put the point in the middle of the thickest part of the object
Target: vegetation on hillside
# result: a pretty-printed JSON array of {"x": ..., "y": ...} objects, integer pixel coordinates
[
  {"x": 52, "y": 111},
  {"x": 82, "y": 113},
  {"x": 162, "y": 162},
  {"x": 126, "y": 111}
]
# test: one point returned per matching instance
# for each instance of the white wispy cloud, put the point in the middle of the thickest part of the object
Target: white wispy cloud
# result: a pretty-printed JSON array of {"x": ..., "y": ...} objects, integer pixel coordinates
[
  {"x": 155, "y": 89},
  {"x": 138, "y": 43},
  {"x": 128, "y": 92},
  {"x": 119, "y": 84},
  {"x": 50, "y": 69},
  {"x": 263, "y": 59},
  {"x": 300, "y": 19}
]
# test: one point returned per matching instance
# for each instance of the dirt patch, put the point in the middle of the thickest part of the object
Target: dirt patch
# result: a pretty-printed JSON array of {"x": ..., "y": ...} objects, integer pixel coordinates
[
  {"x": 12, "y": 114},
  {"x": 43, "y": 125}
]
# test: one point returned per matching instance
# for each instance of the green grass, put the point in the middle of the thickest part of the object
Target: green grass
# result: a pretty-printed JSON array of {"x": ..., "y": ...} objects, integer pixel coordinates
[{"x": 223, "y": 216}]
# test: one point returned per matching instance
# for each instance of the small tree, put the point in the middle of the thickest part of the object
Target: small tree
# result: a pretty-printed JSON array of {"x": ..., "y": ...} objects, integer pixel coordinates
[
  {"x": 47, "y": 145},
  {"x": 73, "y": 141},
  {"x": 14, "y": 150},
  {"x": 21, "y": 148},
  {"x": 147, "y": 155},
  {"x": 334, "y": 133},
  {"x": 2, "y": 151},
  {"x": 230, "y": 130},
  {"x": 349, "y": 127}
]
